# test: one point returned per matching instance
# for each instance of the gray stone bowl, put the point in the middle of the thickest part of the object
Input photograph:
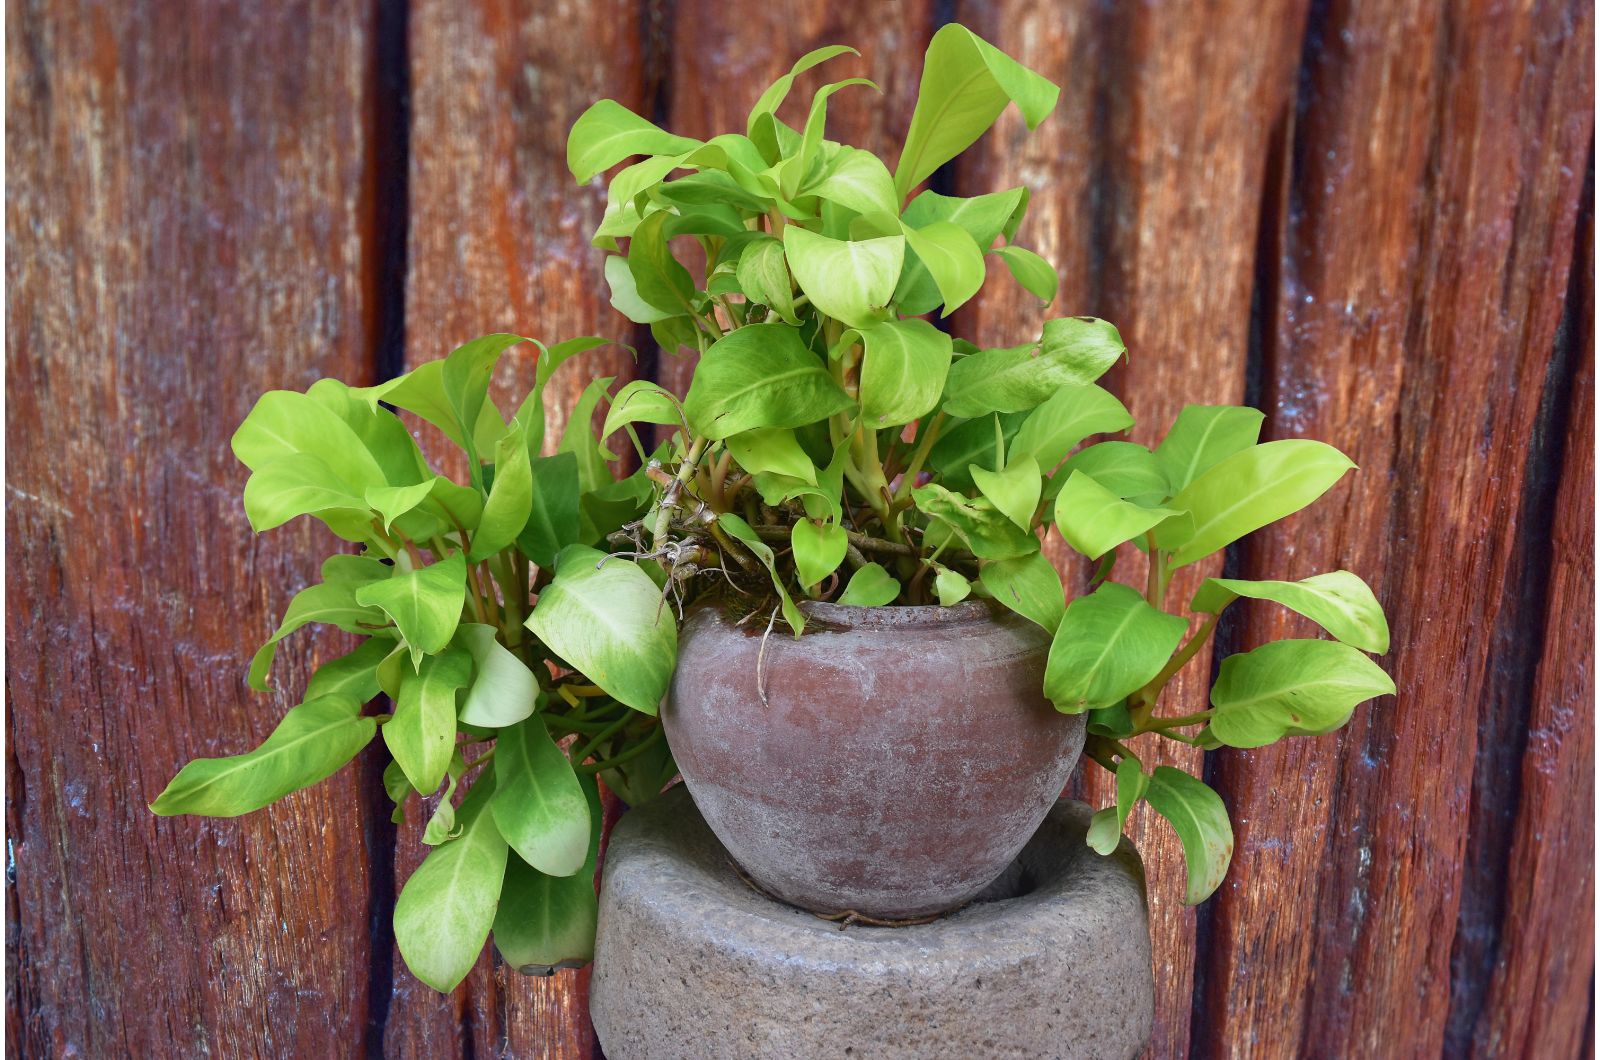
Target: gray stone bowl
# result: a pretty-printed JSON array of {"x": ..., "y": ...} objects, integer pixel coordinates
[{"x": 1052, "y": 961}]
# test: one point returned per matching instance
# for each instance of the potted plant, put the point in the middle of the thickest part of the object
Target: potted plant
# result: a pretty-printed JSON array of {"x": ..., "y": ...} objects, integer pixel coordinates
[
  {"x": 438, "y": 594},
  {"x": 845, "y": 470}
]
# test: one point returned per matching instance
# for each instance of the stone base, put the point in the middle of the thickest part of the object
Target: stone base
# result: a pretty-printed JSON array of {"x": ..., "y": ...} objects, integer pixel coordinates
[{"x": 1052, "y": 961}]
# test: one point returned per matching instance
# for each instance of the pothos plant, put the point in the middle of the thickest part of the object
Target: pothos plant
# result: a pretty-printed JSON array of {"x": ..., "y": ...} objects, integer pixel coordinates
[
  {"x": 444, "y": 589},
  {"x": 836, "y": 444}
]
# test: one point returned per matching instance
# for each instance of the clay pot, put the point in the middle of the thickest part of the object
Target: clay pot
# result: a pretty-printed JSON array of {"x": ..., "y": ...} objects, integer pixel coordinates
[{"x": 901, "y": 757}]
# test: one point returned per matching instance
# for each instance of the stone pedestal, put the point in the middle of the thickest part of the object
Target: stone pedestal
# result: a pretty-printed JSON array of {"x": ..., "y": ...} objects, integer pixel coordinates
[{"x": 1052, "y": 961}]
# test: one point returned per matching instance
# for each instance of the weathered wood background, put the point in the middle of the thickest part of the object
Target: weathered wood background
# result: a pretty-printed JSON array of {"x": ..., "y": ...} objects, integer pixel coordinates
[{"x": 1374, "y": 218}]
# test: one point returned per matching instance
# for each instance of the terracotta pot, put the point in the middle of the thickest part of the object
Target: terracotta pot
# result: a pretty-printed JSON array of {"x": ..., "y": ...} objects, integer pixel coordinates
[{"x": 901, "y": 758}]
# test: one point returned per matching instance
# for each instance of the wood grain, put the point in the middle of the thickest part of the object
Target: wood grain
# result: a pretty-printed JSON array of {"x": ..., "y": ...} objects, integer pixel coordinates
[
  {"x": 499, "y": 241},
  {"x": 1364, "y": 217},
  {"x": 186, "y": 226},
  {"x": 1539, "y": 1000},
  {"x": 1422, "y": 278},
  {"x": 1148, "y": 187}
]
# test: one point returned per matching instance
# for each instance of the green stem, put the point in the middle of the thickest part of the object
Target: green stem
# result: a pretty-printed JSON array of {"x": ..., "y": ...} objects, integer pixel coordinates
[
  {"x": 908, "y": 478},
  {"x": 600, "y": 738},
  {"x": 669, "y": 498},
  {"x": 626, "y": 756}
]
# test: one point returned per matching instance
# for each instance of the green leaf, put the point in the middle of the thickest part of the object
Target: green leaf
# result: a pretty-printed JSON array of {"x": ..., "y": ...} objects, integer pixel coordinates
[
  {"x": 1074, "y": 351},
  {"x": 579, "y": 439},
  {"x": 658, "y": 277},
  {"x": 742, "y": 532},
  {"x": 284, "y": 423},
  {"x": 966, "y": 83},
  {"x": 1340, "y": 602},
  {"x": 849, "y": 280},
  {"x": 968, "y": 442},
  {"x": 443, "y": 915},
  {"x": 1014, "y": 491},
  {"x": 466, "y": 374},
  {"x": 870, "y": 586},
  {"x": 625, "y": 297},
  {"x": 538, "y": 804},
  {"x": 390, "y": 502},
  {"x": 1066, "y": 418},
  {"x": 503, "y": 689},
  {"x": 1248, "y": 490},
  {"x": 983, "y": 217},
  {"x": 422, "y": 733},
  {"x": 398, "y": 788},
  {"x": 858, "y": 181},
  {"x": 441, "y": 826},
  {"x": 548, "y": 922},
  {"x": 553, "y": 521},
  {"x": 793, "y": 171},
  {"x": 1202, "y": 437},
  {"x": 903, "y": 369},
  {"x": 951, "y": 587},
  {"x": 605, "y": 618},
  {"x": 1105, "y": 828},
  {"x": 641, "y": 401},
  {"x": 310, "y": 744},
  {"x": 987, "y": 532},
  {"x": 329, "y": 603},
  {"x": 424, "y": 604},
  {"x": 351, "y": 676},
  {"x": 1291, "y": 688},
  {"x": 778, "y": 91},
  {"x": 1123, "y": 468},
  {"x": 951, "y": 257},
  {"x": 1036, "y": 275},
  {"x": 300, "y": 484},
  {"x": 1093, "y": 520},
  {"x": 1197, "y": 814},
  {"x": 773, "y": 449},
  {"x": 763, "y": 275},
  {"x": 760, "y": 375},
  {"x": 1028, "y": 585},
  {"x": 819, "y": 548},
  {"x": 608, "y": 132},
  {"x": 1109, "y": 644},
  {"x": 381, "y": 432},
  {"x": 510, "y": 501}
]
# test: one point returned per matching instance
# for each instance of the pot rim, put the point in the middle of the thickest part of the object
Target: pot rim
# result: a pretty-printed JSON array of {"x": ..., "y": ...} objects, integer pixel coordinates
[{"x": 843, "y": 617}]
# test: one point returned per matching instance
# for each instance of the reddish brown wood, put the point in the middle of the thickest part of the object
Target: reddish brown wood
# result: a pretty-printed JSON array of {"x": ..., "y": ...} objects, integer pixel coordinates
[
  {"x": 1147, "y": 190},
  {"x": 197, "y": 213},
  {"x": 187, "y": 225},
  {"x": 499, "y": 241},
  {"x": 499, "y": 231},
  {"x": 1422, "y": 278},
  {"x": 720, "y": 64},
  {"x": 1540, "y": 998}
]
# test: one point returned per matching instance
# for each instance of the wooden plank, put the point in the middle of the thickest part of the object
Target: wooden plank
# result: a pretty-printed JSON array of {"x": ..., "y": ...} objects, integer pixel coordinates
[
  {"x": 1422, "y": 279},
  {"x": 499, "y": 241},
  {"x": 187, "y": 226},
  {"x": 1147, "y": 188},
  {"x": 720, "y": 64},
  {"x": 1539, "y": 1000}
]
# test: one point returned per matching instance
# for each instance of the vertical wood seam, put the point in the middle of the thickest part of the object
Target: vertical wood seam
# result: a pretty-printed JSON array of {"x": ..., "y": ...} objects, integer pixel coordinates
[
  {"x": 1503, "y": 723},
  {"x": 388, "y": 159}
]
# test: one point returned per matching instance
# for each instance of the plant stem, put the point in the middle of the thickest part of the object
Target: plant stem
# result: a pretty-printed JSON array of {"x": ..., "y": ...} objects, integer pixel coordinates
[
  {"x": 1156, "y": 584},
  {"x": 626, "y": 756},
  {"x": 595, "y": 742},
  {"x": 669, "y": 498},
  {"x": 861, "y": 541},
  {"x": 908, "y": 478}
]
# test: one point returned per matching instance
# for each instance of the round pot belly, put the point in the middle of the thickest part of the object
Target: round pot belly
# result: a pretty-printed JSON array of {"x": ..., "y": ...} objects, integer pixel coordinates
[{"x": 891, "y": 762}]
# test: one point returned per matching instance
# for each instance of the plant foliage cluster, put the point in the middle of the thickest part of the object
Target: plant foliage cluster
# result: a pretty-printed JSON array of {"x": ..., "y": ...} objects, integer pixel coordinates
[{"x": 835, "y": 444}]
